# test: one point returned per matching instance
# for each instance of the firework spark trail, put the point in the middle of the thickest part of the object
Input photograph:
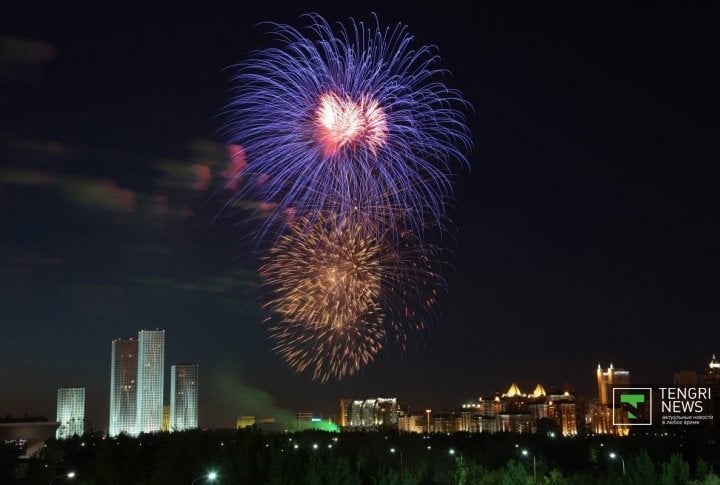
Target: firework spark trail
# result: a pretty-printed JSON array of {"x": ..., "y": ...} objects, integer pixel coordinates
[
  {"x": 330, "y": 353},
  {"x": 337, "y": 290},
  {"x": 347, "y": 114}
]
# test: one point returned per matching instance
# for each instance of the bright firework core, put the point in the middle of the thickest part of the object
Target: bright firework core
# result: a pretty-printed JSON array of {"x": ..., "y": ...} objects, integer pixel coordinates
[{"x": 342, "y": 122}]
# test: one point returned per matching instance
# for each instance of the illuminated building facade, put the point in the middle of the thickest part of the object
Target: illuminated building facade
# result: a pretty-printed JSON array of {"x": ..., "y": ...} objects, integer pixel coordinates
[
  {"x": 183, "y": 397},
  {"x": 412, "y": 423},
  {"x": 609, "y": 378},
  {"x": 373, "y": 413},
  {"x": 515, "y": 416},
  {"x": 244, "y": 422},
  {"x": 602, "y": 412},
  {"x": 166, "y": 419},
  {"x": 481, "y": 415},
  {"x": 563, "y": 410},
  {"x": 518, "y": 412},
  {"x": 446, "y": 422},
  {"x": 123, "y": 386},
  {"x": 515, "y": 423},
  {"x": 70, "y": 412},
  {"x": 345, "y": 410},
  {"x": 150, "y": 381}
]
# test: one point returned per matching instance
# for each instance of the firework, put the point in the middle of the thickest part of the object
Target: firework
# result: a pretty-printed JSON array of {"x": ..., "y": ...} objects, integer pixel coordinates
[
  {"x": 327, "y": 275},
  {"x": 330, "y": 352},
  {"x": 338, "y": 117},
  {"x": 339, "y": 294}
]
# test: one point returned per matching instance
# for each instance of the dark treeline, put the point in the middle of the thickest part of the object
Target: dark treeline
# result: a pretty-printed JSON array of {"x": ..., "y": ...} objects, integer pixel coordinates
[{"x": 252, "y": 456}]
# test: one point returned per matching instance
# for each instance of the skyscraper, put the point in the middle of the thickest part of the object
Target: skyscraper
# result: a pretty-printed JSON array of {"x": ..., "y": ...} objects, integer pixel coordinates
[
  {"x": 123, "y": 386},
  {"x": 70, "y": 412},
  {"x": 345, "y": 412},
  {"x": 183, "y": 397},
  {"x": 150, "y": 380},
  {"x": 609, "y": 378},
  {"x": 602, "y": 414}
]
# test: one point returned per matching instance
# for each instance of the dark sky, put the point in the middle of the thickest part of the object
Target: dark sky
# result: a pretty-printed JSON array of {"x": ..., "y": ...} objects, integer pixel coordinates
[{"x": 586, "y": 230}]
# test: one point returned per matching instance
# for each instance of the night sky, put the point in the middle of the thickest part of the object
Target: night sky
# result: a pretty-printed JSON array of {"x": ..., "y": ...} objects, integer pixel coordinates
[{"x": 586, "y": 230}]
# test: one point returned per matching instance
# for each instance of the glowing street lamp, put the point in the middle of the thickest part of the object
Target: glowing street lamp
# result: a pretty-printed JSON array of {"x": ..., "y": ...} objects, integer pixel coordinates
[
  {"x": 394, "y": 450},
  {"x": 67, "y": 476},
  {"x": 526, "y": 453},
  {"x": 614, "y": 455},
  {"x": 210, "y": 477},
  {"x": 428, "y": 411}
]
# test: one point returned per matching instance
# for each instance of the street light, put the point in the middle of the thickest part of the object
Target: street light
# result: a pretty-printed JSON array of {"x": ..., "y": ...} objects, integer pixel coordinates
[
  {"x": 211, "y": 477},
  {"x": 393, "y": 450},
  {"x": 614, "y": 455},
  {"x": 68, "y": 476},
  {"x": 428, "y": 411},
  {"x": 526, "y": 453}
]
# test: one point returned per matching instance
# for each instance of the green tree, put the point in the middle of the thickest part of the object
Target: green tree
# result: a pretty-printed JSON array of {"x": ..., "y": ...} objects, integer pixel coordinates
[
  {"x": 675, "y": 472},
  {"x": 702, "y": 469},
  {"x": 314, "y": 471},
  {"x": 555, "y": 477},
  {"x": 641, "y": 470},
  {"x": 339, "y": 472},
  {"x": 709, "y": 479},
  {"x": 515, "y": 474},
  {"x": 469, "y": 472}
]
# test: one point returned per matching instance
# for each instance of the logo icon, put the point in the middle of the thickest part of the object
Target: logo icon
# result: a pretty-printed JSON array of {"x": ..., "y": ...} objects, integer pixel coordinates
[{"x": 632, "y": 406}]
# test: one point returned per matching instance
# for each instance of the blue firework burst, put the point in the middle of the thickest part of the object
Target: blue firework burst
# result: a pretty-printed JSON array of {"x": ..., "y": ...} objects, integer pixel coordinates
[{"x": 351, "y": 119}]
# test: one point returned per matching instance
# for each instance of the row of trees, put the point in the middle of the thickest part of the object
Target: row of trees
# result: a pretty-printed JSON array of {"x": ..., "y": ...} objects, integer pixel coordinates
[{"x": 254, "y": 456}]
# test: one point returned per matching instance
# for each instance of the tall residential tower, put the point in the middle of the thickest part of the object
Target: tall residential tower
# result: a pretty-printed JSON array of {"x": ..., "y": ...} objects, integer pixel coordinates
[
  {"x": 150, "y": 380},
  {"x": 123, "y": 386},
  {"x": 183, "y": 397},
  {"x": 70, "y": 412}
]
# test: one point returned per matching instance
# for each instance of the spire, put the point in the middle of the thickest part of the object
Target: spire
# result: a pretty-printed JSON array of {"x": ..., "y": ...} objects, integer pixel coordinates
[
  {"x": 513, "y": 391},
  {"x": 539, "y": 391}
]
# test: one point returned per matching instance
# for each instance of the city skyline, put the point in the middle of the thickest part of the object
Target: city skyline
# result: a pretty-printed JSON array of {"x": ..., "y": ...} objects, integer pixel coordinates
[
  {"x": 181, "y": 412},
  {"x": 585, "y": 230}
]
